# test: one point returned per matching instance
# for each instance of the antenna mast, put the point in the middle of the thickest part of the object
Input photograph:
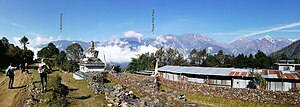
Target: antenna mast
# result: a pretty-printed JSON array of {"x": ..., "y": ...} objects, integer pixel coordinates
[
  {"x": 60, "y": 29},
  {"x": 153, "y": 21}
]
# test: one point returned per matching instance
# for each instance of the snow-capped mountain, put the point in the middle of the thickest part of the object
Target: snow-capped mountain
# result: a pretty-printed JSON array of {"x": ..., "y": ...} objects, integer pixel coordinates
[
  {"x": 267, "y": 44},
  {"x": 130, "y": 47},
  {"x": 184, "y": 43}
]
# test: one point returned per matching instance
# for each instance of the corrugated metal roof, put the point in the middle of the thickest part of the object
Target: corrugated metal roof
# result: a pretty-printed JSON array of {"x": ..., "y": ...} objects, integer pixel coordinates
[
  {"x": 230, "y": 72},
  {"x": 280, "y": 74},
  {"x": 289, "y": 76},
  {"x": 272, "y": 71},
  {"x": 236, "y": 74},
  {"x": 197, "y": 70},
  {"x": 244, "y": 74}
]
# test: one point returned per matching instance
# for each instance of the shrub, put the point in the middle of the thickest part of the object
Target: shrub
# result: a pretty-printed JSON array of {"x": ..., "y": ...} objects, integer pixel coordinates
[{"x": 58, "y": 92}]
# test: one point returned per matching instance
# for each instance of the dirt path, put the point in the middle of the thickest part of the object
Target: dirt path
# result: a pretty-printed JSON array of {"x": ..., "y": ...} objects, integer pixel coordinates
[{"x": 15, "y": 97}]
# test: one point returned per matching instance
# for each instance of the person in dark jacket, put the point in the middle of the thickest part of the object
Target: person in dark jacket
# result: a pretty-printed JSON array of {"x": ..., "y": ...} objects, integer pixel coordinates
[{"x": 10, "y": 73}]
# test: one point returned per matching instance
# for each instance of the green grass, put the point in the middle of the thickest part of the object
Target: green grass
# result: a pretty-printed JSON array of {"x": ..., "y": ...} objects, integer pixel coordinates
[
  {"x": 79, "y": 93},
  {"x": 218, "y": 101},
  {"x": 109, "y": 84}
]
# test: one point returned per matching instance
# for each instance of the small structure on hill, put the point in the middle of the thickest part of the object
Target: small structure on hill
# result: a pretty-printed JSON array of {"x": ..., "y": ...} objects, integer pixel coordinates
[
  {"x": 287, "y": 65},
  {"x": 91, "y": 63}
]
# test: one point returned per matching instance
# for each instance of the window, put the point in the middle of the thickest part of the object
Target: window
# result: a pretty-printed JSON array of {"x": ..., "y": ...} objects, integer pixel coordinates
[{"x": 286, "y": 68}]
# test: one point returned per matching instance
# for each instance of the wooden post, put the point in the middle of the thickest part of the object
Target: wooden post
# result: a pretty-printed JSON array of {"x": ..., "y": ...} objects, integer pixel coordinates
[
  {"x": 281, "y": 84},
  {"x": 232, "y": 82},
  {"x": 207, "y": 80}
]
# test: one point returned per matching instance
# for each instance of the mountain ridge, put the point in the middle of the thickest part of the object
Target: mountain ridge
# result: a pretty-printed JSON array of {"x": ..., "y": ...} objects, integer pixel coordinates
[
  {"x": 186, "y": 42},
  {"x": 292, "y": 51}
]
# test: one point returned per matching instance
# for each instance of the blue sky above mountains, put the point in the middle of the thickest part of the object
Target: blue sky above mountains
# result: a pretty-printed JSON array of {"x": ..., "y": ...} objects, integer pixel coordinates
[{"x": 107, "y": 19}]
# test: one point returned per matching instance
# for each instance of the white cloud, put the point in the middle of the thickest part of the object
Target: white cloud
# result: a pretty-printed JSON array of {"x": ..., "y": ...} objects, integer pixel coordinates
[
  {"x": 6, "y": 21},
  {"x": 17, "y": 25},
  {"x": 133, "y": 34},
  {"x": 295, "y": 31},
  {"x": 118, "y": 54},
  {"x": 272, "y": 29},
  {"x": 118, "y": 41},
  {"x": 35, "y": 39}
]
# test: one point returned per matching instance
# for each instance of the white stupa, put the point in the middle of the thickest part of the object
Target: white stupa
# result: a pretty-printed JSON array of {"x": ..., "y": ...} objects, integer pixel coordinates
[{"x": 91, "y": 63}]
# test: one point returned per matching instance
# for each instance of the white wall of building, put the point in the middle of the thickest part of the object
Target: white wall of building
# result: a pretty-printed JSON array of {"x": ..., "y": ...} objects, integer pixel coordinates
[
  {"x": 279, "y": 86},
  {"x": 286, "y": 68},
  {"x": 240, "y": 83},
  {"x": 91, "y": 69}
]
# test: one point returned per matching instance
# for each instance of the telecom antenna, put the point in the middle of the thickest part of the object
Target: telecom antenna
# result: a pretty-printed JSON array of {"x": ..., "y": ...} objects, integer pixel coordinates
[
  {"x": 60, "y": 29},
  {"x": 153, "y": 21}
]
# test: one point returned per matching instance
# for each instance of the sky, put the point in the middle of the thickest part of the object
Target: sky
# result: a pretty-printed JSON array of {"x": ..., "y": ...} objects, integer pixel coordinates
[{"x": 102, "y": 20}]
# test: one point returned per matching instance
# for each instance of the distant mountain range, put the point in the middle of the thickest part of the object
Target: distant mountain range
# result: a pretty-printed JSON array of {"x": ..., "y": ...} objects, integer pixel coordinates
[
  {"x": 267, "y": 44},
  {"x": 292, "y": 51},
  {"x": 186, "y": 42}
]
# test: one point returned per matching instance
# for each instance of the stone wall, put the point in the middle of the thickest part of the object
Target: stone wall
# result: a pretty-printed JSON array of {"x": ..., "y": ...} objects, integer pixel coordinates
[
  {"x": 95, "y": 81},
  {"x": 147, "y": 89},
  {"x": 145, "y": 86},
  {"x": 276, "y": 97}
]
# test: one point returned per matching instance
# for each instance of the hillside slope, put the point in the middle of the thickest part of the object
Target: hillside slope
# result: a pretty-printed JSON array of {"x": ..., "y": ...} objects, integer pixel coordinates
[{"x": 292, "y": 51}]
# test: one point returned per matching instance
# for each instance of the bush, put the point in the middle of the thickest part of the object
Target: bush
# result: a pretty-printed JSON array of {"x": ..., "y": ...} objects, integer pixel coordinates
[
  {"x": 70, "y": 66},
  {"x": 58, "y": 92}
]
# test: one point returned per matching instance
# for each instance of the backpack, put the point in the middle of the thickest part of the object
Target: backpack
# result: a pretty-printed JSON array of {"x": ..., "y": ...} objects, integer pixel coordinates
[
  {"x": 8, "y": 71},
  {"x": 43, "y": 69}
]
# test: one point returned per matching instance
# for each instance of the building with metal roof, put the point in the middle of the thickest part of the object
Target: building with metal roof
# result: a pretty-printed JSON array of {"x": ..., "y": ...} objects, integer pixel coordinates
[{"x": 232, "y": 77}]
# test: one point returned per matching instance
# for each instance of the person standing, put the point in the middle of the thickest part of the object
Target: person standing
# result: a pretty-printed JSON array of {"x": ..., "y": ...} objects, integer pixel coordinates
[
  {"x": 25, "y": 71},
  {"x": 21, "y": 67},
  {"x": 42, "y": 70},
  {"x": 10, "y": 73}
]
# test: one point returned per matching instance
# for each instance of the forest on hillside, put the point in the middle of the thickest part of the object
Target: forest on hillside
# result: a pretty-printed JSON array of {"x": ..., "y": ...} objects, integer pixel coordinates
[
  {"x": 14, "y": 54},
  {"x": 202, "y": 59}
]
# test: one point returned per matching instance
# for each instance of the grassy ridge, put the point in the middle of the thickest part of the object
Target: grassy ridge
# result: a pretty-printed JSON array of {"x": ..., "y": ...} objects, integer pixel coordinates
[{"x": 79, "y": 92}]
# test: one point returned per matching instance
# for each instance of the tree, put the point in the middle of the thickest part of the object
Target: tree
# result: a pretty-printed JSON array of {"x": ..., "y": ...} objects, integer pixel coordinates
[
  {"x": 210, "y": 61},
  {"x": 4, "y": 40},
  {"x": 251, "y": 61},
  {"x": 144, "y": 61},
  {"x": 51, "y": 54},
  {"x": 263, "y": 61},
  {"x": 160, "y": 55},
  {"x": 61, "y": 58},
  {"x": 202, "y": 55},
  {"x": 13, "y": 54},
  {"x": 27, "y": 56},
  {"x": 70, "y": 66},
  {"x": 193, "y": 57},
  {"x": 24, "y": 41},
  {"x": 48, "y": 52},
  {"x": 74, "y": 52},
  {"x": 262, "y": 81},
  {"x": 173, "y": 57},
  {"x": 220, "y": 58},
  {"x": 240, "y": 61},
  {"x": 283, "y": 56}
]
